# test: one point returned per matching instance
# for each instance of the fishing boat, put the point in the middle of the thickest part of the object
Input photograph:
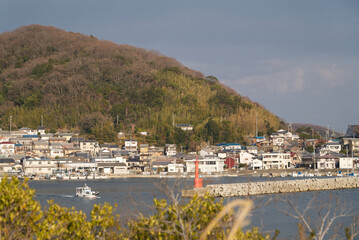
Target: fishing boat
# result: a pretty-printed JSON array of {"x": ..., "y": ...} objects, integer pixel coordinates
[{"x": 86, "y": 192}]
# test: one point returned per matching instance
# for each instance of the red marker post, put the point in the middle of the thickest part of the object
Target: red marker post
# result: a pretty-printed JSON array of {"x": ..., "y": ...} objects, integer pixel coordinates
[{"x": 198, "y": 183}]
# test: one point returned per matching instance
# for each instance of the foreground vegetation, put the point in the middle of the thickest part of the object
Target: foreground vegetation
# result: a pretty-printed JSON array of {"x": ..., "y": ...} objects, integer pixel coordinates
[
  {"x": 22, "y": 217},
  {"x": 78, "y": 82}
]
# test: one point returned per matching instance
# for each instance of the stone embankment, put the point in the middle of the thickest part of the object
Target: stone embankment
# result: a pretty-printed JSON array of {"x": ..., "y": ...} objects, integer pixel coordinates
[{"x": 271, "y": 187}]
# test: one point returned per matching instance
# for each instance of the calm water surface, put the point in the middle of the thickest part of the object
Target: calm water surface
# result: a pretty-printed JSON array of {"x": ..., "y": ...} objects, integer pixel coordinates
[{"x": 134, "y": 195}]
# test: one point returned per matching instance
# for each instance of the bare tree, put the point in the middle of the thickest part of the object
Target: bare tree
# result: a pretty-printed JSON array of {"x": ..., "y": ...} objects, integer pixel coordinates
[{"x": 319, "y": 217}]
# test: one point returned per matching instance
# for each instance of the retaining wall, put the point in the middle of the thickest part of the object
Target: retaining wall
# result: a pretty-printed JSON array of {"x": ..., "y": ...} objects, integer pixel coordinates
[{"x": 270, "y": 187}]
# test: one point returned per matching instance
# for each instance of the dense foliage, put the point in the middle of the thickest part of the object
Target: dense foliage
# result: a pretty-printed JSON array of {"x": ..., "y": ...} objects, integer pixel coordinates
[{"x": 77, "y": 82}]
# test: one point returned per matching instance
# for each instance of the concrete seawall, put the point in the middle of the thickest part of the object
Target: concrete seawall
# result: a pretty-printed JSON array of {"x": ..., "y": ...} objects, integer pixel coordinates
[{"x": 270, "y": 187}]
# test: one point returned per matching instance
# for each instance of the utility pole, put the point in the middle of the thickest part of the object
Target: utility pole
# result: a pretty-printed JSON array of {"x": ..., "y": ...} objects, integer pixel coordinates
[
  {"x": 10, "y": 124},
  {"x": 42, "y": 120}
]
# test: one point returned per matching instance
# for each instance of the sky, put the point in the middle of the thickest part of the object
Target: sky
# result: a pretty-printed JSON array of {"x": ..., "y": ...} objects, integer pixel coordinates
[{"x": 299, "y": 59}]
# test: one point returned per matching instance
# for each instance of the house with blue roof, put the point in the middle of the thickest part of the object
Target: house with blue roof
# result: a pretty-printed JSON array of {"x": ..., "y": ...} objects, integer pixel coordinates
[
  {"x": 258, "y": 139},
  {"x": 230, "y": 146}
]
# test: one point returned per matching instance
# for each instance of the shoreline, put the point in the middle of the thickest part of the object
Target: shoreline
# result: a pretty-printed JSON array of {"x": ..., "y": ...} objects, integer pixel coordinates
[{"x": 308, "y": 173}]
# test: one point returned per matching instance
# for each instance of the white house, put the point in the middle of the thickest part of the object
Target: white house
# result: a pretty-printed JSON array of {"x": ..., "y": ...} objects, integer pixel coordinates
[
  {"x": 7, "y": 148},
  {"x": 276, "y": 160},
  {"x": 131, "y": 145},
  {"x": 326, "y": 162},
  {"x": 185, "y": 127},
  {"x": 281, "y": 136},
  {"x": 256, "y": 164},
  {"x": 207, "y": 164},
  {"x": 43, "y": 166},
  {"x": 252, "y": 149},
  {"x": 175, "y": 168},
  {"x": 347, "y": 162},
  {"x": 56, "y": 152},
  {"x": 332, "y": 147},
  {"x": 7, "y": 164},
  {"x": 232, "y": 146},
  {"x": 90, "y": 146},
  {"x": 170, "y": 149},
  {"x": 246, "y": 157}
]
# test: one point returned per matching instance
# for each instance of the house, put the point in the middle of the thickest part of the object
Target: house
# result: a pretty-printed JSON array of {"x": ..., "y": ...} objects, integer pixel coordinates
[
  {"x": 76, "y": 140},
  {"x": 354, "y": 145},
  {"x": 7, "y": 148},
  {"x": 56, "y": 151},
  {"x": 41, "y": 166},
  {"x": 160, "y": 166},
  {"x": 352, "y": 131},
  {"x": 77, "y": 167},
  {"x": 7, "y": 164},
  {"x": 209, "y": 150},
  {"x": 246, "y": 158},
  {"x": 67, "y": 136},
  {"x": 57, "y": 139},
  {"x": 27, "y": 131},
  {"x": 90, "y": 146},
  {"x": 19, "y": 148},
  {"x": 327, "y": 162},
  {"x": 46, "y": 136},
  {"x": 185, "y": 127},
  {"x": 170, "y": 149},
  {"x": 154, "y": 151},
  {"x": 175, "y": 168},
  {"x": 116, "y": 168},
  {"x": 41, "y": 130},
  {"x": 252, "y": 149},
  {"x": 281, "y": 137},
  {"x": 334, "y": 146},
  {"x": 276, "y": 160},
  {"x": 144, "y": 152},
  {"x": 258, "y": 139},
  {"x": 40, "y": 148},
  {"x": 230, "y": 146},
  {"x": 256, "y": 164},
  {"x": 135, "y": 165},
  {"x": 347, "y": 162},
  {"x": 131, "y": 145},
  {"x": 231, "y": 162},
  {"x": 207, "y": 164}
]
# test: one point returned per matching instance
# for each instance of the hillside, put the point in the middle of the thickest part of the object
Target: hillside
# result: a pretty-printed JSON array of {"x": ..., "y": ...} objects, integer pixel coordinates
[
  {"x": 312, "y": 130},
  {"x": 78, "y": 82}
]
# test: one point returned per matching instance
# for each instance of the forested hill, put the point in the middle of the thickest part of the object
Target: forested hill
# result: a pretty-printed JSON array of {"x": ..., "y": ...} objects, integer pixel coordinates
[{"x": 78, "y": 82}]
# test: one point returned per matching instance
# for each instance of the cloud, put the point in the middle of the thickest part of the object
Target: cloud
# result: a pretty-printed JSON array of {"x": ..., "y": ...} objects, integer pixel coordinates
[{"x": 280, "y": 77}]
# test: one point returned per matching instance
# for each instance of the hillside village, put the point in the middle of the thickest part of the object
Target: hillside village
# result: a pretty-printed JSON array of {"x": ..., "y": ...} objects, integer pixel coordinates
[{"x": 37, "y": 153}]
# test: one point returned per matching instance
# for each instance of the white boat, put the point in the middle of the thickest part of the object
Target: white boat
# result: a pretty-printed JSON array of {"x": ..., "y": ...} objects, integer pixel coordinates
[
  {"x": 329, "y": 174},
  {"x": 86, "y": 192}
]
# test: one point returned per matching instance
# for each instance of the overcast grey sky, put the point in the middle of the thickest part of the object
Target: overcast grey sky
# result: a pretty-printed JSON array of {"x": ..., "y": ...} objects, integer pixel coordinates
[{"x": 299, "y": 59}]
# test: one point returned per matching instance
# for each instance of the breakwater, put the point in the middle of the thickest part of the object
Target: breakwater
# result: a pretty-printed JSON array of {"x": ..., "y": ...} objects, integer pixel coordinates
[{"x": 271, "y": 187}]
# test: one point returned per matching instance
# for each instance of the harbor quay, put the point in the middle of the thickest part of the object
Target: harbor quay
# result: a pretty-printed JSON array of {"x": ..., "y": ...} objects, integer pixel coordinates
[{"x": 274, "y": 187}]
